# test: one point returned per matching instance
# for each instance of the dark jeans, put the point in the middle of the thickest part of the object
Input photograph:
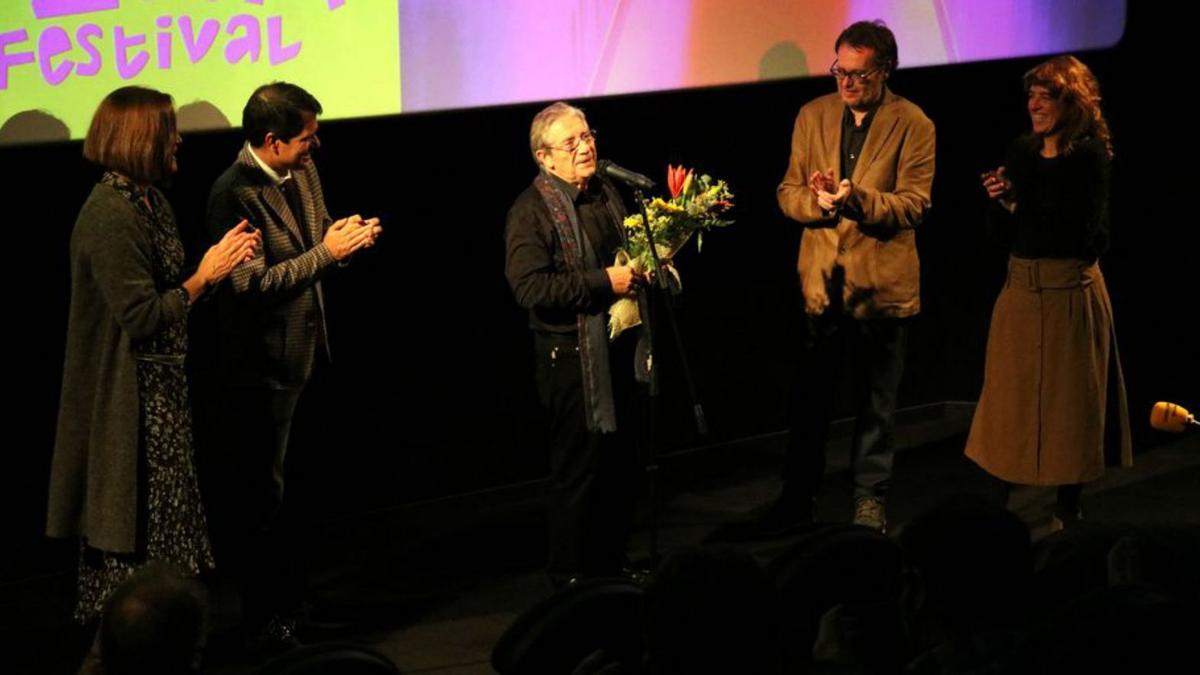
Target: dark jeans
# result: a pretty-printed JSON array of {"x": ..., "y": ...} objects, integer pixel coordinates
[
  {"x": 594, "y": 477},
  {"x": 876, "y": 349}
]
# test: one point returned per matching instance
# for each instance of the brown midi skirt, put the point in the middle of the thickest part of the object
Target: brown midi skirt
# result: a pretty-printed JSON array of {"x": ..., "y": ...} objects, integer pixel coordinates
[{"x": 1053, "y": 407}]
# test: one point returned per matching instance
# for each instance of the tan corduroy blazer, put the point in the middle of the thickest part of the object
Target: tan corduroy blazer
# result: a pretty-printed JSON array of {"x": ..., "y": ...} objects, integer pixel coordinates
[{"x": 873, "y": 240}]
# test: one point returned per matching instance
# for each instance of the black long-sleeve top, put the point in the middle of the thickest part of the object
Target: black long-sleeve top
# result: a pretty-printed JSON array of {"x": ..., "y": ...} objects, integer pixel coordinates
[
  {"x": 1062, "y": 202},
  {"x": 542, "y": 283}
]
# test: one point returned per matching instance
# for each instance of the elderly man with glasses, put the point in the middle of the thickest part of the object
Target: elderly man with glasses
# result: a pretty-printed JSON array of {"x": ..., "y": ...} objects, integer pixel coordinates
[
  {"x": 561, "y": 237},
  {"x": 859, "y": 181}
]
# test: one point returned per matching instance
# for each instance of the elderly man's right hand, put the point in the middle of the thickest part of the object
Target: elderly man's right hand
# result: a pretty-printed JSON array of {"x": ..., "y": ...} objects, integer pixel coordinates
[{"x": 624, "y": 280}]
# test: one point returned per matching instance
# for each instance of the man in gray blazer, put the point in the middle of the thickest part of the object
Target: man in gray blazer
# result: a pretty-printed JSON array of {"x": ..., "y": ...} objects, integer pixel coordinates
[{"x": 273, "y": 334}]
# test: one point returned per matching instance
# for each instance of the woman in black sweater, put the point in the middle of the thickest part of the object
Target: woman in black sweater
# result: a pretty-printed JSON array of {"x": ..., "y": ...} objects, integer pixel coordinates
[{"x": 1052, "y": 410}]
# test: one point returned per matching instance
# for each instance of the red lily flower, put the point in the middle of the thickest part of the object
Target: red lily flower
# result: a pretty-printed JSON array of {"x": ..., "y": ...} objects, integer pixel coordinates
[{"x": 675, "y": 176}]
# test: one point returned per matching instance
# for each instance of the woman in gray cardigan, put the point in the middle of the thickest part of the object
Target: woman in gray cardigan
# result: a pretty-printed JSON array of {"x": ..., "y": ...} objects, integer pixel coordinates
[{"x": 122, "y": 478}]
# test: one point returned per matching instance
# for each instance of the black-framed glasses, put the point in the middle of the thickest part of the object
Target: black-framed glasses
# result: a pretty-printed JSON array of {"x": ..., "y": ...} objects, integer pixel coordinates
[
  {"x": 571, "y": 145},
  {"x": 860, "y": 76}
]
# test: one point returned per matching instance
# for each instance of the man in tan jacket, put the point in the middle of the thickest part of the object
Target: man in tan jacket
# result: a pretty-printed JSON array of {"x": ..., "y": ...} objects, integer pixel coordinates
[{"x": 859, "y": 181}]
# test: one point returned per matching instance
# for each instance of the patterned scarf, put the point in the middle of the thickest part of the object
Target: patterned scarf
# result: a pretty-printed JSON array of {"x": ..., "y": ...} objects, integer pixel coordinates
[{"x": 592, "y": 330}]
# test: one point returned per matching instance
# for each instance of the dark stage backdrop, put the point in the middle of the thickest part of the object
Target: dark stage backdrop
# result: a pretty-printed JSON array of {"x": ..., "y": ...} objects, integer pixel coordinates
[{"x": 435, "y": 393}]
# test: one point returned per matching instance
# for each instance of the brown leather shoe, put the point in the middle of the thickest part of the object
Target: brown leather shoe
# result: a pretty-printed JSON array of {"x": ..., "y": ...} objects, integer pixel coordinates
[{"x": 869, "y": 512}]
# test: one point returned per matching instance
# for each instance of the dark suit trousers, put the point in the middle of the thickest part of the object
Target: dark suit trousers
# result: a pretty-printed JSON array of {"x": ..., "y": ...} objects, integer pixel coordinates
[
  {"x": 594, "y": 477},
  {"x": 269, "y": 561},
  {"x": 876, "y": 350}
]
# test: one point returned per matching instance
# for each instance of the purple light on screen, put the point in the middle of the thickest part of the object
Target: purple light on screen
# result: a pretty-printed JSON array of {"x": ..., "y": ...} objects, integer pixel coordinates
[
  {"x": 48, "y": 9},
  {"x": 332, "y": 4},
  {"x": 974, "y": 31},
  {"x": 936, "y": 32},
  {"x": 463, "y": 53}
]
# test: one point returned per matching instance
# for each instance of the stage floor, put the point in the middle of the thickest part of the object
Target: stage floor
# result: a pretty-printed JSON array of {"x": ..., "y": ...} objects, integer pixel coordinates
[{"x": 434, "y": 585}]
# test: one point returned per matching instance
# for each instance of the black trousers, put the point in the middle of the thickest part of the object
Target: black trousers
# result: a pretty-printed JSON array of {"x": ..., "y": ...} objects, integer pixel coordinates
[
  {"x": 876, "y": 351},
  {"x": 594, "y": 477},
  {"x": 259, "y": 534}
]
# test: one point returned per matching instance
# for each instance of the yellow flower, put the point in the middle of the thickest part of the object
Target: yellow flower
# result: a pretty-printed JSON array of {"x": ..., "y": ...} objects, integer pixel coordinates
[{"x": 659, "y": 204}]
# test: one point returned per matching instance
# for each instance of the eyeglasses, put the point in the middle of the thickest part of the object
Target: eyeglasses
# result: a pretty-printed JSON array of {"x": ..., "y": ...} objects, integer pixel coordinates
[
  {"x": 571, "y": 145},
  {"x": 857, "y": 75}
]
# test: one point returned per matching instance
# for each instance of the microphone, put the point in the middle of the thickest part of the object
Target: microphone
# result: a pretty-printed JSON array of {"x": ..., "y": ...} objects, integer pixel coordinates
[
  {"x": 1170, "y": 417},
  {"x": 637, "y": 180}
]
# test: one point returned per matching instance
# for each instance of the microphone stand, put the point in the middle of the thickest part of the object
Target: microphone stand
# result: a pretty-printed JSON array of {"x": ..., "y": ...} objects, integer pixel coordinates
[{"x": 663, "y": 286}]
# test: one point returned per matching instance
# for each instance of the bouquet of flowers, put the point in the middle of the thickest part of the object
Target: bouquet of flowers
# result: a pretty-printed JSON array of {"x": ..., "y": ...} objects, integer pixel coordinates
[{"x": 696, "y": 204}]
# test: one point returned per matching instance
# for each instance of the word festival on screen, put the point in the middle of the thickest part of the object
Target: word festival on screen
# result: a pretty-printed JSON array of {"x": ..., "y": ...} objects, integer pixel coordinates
[{"x": 59, "y": 55}]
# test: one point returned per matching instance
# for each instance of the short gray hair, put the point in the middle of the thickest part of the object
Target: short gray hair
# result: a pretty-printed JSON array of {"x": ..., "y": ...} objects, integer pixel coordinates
[{"x": 542, "y": 121}]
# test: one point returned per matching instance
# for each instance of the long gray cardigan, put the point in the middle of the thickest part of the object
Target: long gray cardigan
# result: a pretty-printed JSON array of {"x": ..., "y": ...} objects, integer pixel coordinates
[{"x": 115, "y": 299}]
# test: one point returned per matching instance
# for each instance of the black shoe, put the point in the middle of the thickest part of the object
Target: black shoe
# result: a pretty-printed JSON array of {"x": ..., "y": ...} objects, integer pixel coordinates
[
  {"x": 627, "y": 571},
  {"x": 1065, "y": 521},
  {"x": 277, "y": 636},
  {"x": 785, "y": 516},
  {"x": 561, "y": 580},
  {"x": 637, "y": 575}
]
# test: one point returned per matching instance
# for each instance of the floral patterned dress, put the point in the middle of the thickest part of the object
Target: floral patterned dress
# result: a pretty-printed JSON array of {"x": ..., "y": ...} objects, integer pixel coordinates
[{"x": 171, "y": 523}]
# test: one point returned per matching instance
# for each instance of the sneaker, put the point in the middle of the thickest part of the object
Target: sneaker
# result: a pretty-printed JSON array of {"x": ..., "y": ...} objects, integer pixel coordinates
[{"x": 869, "y": 512}]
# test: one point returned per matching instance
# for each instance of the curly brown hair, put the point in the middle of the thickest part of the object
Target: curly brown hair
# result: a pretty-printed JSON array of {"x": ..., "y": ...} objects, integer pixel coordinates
[{"x": 1073, "y": 84}]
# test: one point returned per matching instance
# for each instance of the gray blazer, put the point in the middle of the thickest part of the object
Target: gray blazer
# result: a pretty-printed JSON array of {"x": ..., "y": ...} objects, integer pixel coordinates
[{"x": 271, "y": 308}]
